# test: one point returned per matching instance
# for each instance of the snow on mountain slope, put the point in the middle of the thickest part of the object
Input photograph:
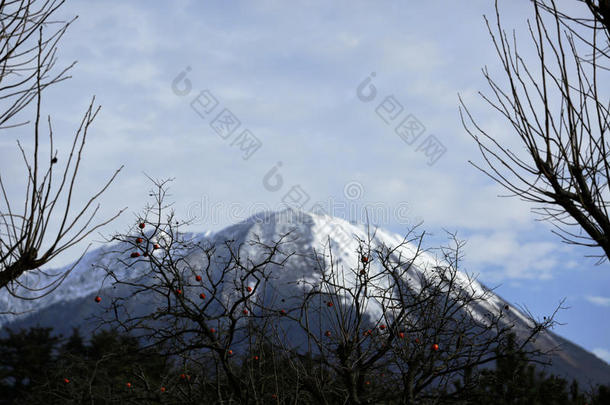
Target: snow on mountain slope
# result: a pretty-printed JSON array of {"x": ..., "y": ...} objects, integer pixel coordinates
[
  {"x": 86, "y": 277},
  {"x": 309, "y": 233}
]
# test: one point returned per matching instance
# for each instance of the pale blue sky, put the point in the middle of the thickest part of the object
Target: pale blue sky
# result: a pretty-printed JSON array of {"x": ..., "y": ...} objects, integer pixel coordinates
[{"x": 289, "y": 72}]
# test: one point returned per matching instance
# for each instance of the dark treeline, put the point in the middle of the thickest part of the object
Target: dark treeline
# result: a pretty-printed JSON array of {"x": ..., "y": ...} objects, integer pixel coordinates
[{"x": 37, "y": 367}]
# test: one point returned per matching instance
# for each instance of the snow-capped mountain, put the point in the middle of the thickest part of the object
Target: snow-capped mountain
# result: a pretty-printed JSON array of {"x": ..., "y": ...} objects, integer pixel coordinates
[{"x": 71, "y": 303}]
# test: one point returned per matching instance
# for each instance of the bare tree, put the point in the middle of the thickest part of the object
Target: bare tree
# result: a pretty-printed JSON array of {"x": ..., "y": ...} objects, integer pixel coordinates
[
  {"x": 427, "y": 333},
  {"x": 27, "y": 238},
  {"x": 197, "y": 297},
  {"x": 557, "y": 105},
  {"x": 598, "y": 20},
  {"x": 26, "y": 56},
  {"x": 240, "y": 336}
]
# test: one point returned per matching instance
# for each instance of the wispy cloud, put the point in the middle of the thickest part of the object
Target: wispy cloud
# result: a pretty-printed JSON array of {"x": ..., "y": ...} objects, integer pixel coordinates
[
  {"x": 603, "y": 354},
  {"x": 503, "y": 255},
  {"x": 597, "y": 300}
]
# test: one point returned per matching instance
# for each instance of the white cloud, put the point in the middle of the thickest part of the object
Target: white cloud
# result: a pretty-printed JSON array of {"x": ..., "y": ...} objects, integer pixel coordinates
[
  {"x": 596, "y": 300},
  {"x": 411, "y": 53},
  {"x": 603, "y": 354},
  {"x": 502, "y": 255}
]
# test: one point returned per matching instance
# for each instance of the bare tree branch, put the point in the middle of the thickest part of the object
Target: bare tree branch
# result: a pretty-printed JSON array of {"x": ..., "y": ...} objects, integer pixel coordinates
[{"x": 560, "y": 114}]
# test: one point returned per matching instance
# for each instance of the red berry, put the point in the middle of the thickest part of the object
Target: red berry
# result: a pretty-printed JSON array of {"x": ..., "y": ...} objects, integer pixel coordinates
[
  {"x": 162, "y": 389},
  {"x": 327, "y": 333},
  {"x": 249, "y": 289},
  {"x": 183, "y": 376},
  {"x": 98, "y": 299},
  {"x": 135, "y": 254},
  {"x": 230, "y": 352},
  {"x": 255, "y": 357},
  {"x": 283, "y": 312},
  {"x": 156, "y": 246},
  {"x": 66, "y": 381},
  {"x": 416, "y": 340},
  {"x": 178, "y": 291},
  {"x": 367, "y": 382},
  {"x": 139, "y": 240},
  {"x": 382, "y": 327},
  {"x": 401, "y": 335},
  {"x": 212, "y": 330},
  {"x": 198, "y": 277},
  {"x": 435, "y": 347},
  {"x": 365, "y": 259},
  {"x": 245, "y": 311},
  {"x": 367, "y": 332},
  {"x": 142, "y": 225},
  {"x": 128, "y": 385},
  {"x": 202, "y": 296},
  {"x": 329, "y": 303}
]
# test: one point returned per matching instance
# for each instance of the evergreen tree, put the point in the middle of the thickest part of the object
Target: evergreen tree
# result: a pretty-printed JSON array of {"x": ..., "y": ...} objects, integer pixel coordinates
[{"x": 26, "y": 359}]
